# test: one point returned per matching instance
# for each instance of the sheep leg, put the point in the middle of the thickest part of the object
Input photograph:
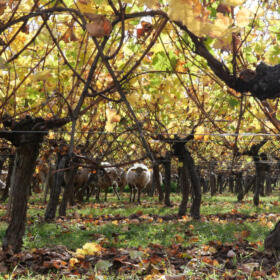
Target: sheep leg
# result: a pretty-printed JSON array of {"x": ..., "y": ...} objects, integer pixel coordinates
[
  {"x": 134, "y": 193},
  {"x": 106, "y": 191},
  {"x": 131, "y": 190},
  {"x": 115, "y": 191},
  {"x": 97, "y": 194},
  {"x": 91, "y": 192}
]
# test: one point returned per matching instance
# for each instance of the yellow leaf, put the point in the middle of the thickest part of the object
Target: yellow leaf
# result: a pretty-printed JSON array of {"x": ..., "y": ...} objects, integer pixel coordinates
[
  {"x": 42, "y": 76},
  {"x": 233, "y": 3},
  {"x": 270, "y": 225},
  {"x": 199, "y": 133},
  {"x": 92, "y": 248},
  {"x": 220, "y": 26},
  {"x": 132, "y": 98},
  {"x": 73, "y": 261},
  {"x": 84, "y": 7},
  {"x": 180, "y": 10},
  {"x": 112, "y": 119},
  {"x": 80, "y": 253},
  {"x": 243, "y": 17},
  {"x": 149, "y": 3},
  {"x": 115, "y": 222}
]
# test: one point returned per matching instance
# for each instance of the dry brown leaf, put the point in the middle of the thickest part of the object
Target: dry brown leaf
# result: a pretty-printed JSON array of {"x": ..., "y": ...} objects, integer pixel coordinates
[{"x": 99, "y": 27}]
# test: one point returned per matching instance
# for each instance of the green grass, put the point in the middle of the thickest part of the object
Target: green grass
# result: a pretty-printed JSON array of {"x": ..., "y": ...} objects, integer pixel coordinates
[{"x": 74, "y": 234}]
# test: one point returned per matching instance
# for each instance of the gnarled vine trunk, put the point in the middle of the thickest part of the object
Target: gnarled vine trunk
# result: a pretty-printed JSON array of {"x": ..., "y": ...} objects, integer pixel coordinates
[
  {"x": 167, "y": 181},
  {"x": 24, "y": 166},
  {"x": 55, "y": 182}
]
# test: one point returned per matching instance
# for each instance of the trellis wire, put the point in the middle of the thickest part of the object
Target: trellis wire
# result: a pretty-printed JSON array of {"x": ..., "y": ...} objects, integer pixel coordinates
[{"x": 159, "y": 133}]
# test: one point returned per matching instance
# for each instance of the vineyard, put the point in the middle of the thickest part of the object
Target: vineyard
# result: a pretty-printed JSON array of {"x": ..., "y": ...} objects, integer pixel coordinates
[{"x": 139, "y": 139}]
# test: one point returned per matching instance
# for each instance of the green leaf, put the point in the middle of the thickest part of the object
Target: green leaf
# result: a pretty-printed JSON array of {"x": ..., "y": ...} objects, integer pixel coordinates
[{"x": 233, "y": 102}]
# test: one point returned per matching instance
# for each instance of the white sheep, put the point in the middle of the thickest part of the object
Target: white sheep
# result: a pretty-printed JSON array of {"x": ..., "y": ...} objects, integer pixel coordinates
[
  {"x": 103, "y": 178},
  {"x": 150, "y": 184},
  {"x": 137, "y": 177}
]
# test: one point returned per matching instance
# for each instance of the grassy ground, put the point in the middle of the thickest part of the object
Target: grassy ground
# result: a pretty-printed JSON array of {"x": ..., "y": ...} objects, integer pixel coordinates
[{"x": 121, "y": 225}]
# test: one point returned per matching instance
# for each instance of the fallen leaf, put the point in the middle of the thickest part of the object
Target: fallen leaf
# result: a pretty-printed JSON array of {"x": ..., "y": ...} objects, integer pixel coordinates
[{"x": 102, "y": 265}]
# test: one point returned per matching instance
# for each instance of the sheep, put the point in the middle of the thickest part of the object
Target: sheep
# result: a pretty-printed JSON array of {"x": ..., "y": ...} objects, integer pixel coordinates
[
  {"x": 137, "y": 177},
  {"x": 103, "y": 178},
  {"x": 80, "y": 181},
  {"x": 80, "y": 178}
]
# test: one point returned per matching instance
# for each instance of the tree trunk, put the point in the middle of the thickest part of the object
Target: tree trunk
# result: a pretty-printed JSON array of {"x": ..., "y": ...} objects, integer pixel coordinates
[
  {"x": 212, "y": 184},
  {"x": 8, "y": 179},
  {"x": 260, "y": 174},
  {"x": 185, "y": 188},
  {"x": 204, "y": 184},
  {"x": 55, "y": 182},
  {"x": 231, "y": 183},
  {"x": 24, "y": 166},
  {"x": 68, "y": 191},
  {"x": 257, "y": 188},
  {"x": 219, "y": 183},
  {"x": 156, "y": 182},
  {"x": 167, "y": 181},
  {"x": 268, "y": 188},
  {"x": 196, "y": 188},
  {"x": 249, "y": 183},
  {"x": 239, "y": 187}
]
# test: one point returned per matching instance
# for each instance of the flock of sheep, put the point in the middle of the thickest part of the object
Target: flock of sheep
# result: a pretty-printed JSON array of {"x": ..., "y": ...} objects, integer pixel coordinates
[{"x": 138, "y": 177}]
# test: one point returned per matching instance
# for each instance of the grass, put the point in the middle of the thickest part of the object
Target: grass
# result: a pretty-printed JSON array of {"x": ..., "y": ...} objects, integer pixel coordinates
[
  {"x": 81, "y": 227},
  {"x": 76, "y": 232}
]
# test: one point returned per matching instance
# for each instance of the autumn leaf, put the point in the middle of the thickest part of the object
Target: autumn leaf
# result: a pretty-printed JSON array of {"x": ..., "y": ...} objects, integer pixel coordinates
[
  {"x": 3, "y": 5},
  {"x": 193, "y": 239},
  {"x": 149, "y": 3},
  {"x": 233, "y": 3},
  {"x": 42, "y": 75},
  {"x": 220, "y": 26},
  {"x": 102, "y": 265},
  {"x": 179, "y": 238},
  {"x": 84, "y": 6},
  {"x": 89, "y": 249},
  {"x": 112, "y": 119},
  {"x": 243, "y": 17},
  {"x": 99, "y": 27},
  {"x": 245, "y": 233},
  {"x": 73, "y": 261}
]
